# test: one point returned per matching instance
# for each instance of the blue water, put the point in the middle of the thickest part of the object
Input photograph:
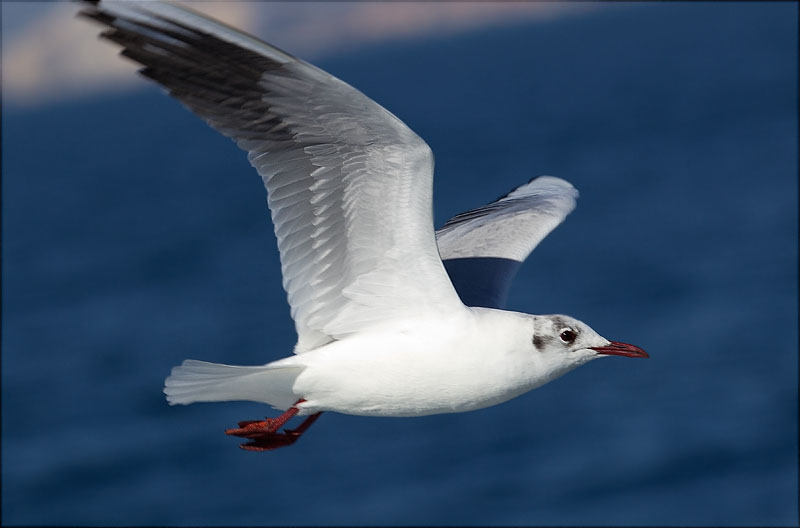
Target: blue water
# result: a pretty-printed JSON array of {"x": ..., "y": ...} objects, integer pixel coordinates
[{"x": 135, "y": 237}]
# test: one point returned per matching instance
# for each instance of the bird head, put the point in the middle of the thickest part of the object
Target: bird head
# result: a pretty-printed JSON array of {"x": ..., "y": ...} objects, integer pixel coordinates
[{"x": 566, "y": 342}]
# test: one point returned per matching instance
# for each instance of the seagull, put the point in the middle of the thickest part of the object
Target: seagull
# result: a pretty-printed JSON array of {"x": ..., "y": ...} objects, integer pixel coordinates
[{"x": 392, "y": 317}]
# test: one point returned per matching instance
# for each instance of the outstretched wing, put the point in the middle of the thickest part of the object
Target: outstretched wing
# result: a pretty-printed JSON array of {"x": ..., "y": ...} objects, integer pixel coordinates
[
  {"x": 483, "y": 248},
  {"x": 349, "y": 184}
]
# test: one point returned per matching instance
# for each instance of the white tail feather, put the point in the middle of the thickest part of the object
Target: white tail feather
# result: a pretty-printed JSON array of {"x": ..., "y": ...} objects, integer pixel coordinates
[{"x": 200, "y": 381}]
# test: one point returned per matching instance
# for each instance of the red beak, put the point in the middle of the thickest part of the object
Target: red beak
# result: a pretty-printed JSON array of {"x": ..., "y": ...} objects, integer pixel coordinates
[{"x": 615, "y": 348}]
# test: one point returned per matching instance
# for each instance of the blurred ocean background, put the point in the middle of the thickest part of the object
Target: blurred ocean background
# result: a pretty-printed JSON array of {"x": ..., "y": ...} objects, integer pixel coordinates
[{"x": 133, "y": 237}]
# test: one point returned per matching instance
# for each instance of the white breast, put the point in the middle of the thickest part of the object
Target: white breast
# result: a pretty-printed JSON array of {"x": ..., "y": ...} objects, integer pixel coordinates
[{"x": 466, "y": 362}]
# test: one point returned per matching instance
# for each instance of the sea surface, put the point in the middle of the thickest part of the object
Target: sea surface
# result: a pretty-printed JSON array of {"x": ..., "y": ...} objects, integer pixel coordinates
[{"x": 133, "y": 237}]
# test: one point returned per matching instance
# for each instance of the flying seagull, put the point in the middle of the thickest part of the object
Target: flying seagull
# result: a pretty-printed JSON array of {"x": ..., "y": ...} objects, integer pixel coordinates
[{"x": 392, "y": 318}]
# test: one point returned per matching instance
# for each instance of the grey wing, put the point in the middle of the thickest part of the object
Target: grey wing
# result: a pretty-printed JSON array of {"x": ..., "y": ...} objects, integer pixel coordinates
[
  {"x": 483, "y": 248},
  {"x": 349, "y": 184}
]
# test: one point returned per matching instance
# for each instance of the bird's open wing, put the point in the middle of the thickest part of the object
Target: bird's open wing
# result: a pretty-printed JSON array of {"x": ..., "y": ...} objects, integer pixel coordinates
[
  {"x": 483, "y": 248},
  {"x": 349, "y": 184}
]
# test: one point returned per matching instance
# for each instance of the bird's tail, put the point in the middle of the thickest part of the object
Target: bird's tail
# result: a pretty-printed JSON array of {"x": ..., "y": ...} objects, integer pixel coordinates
[{"x": 200, "y": 381}]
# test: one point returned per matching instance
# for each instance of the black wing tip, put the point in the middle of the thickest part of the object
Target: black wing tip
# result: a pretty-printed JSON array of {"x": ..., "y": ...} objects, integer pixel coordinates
[
  {"x": 91, "y": 10},
  {"x": 89, "y": 6}
]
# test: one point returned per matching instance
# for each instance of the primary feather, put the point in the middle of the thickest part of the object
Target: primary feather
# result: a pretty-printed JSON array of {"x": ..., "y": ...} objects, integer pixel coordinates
[{"x": 328, "y": 156}]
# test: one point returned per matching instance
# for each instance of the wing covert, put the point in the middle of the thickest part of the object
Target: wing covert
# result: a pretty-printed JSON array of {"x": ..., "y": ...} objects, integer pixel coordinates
[{"x": 349, "y": 184}]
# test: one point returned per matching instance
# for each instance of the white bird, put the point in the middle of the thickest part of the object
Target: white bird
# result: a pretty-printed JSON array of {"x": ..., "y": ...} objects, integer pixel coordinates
[{"x": 381, "y": 329}]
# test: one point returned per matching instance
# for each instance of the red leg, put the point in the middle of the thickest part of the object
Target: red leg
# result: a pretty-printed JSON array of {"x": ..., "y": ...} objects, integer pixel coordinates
[
  {"x": 305, "y": 425},
  {"x": 268, "y": 425},
  {"x": 264, "y": 435},
  {"x": 270, "y": 441}
]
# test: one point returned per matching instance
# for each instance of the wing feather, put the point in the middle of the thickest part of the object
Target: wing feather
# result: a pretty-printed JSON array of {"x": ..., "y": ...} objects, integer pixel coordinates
[
  {"x": 349, "y": 184},
  {"x": 482, "y": 248}
]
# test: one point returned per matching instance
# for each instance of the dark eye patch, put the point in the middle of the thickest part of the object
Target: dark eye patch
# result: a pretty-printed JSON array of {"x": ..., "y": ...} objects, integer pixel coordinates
[{"x": 539, "y": 341}]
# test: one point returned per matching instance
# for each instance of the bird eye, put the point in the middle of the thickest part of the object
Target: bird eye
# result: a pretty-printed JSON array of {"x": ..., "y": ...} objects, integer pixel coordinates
[{"x": 568, "y": 335}]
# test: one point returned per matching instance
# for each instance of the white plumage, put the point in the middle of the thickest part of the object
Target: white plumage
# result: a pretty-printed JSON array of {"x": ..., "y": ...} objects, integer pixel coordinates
[
  {"x": 381, "y": 329},
  {"x": 512, "y": 226}
]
